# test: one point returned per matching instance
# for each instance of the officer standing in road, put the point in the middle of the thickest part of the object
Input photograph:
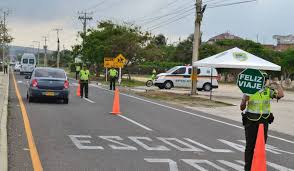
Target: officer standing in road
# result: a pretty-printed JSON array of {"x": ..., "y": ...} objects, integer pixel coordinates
[
  {"x": 5, "y": 66},
  {"x": 258, "y": 111},
  {"x": 84, "y": 81},
  {"x": 153, "y": 76},
  {"x": 78, "y": 69},
  {"x": 112, "y": 75}
]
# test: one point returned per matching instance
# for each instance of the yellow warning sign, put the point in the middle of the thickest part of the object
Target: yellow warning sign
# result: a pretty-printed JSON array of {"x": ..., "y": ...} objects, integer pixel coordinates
[
  {"x": 118, "y": 62},
  {"x": 108, "y": 62}
]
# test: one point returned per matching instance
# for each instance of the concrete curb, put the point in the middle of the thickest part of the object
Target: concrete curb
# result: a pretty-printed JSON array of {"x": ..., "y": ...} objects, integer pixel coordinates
[{"x": 3, "y": 131}]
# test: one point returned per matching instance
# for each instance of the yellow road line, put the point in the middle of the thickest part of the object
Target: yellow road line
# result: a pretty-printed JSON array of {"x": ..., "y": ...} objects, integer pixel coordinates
[{"x": 33, "y": 150}]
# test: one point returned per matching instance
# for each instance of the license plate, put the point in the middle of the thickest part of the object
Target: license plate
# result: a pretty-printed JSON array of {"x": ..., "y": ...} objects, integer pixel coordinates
[{"x": 49, "y": 94}]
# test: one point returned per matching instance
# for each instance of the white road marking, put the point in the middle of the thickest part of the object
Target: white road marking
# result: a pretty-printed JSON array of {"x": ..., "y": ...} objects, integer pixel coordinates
[
  {"x": 19, "y": 82},
  {"x": 79, "y": 143},
  {"x": 194, "y": 114},
  {"x": 278, "y": 167},
  {"x": 136, "y": 123},
  {"x": 89, "y": 100},
  {"x": 115, "y": 140},
  {"x": 188, "y": 147},
  {"x": 272, "y": 149},
  {"x": 172, "y": 164},
  {"x": 232, "y": 165},
  {"x": 195, "y": 163},
  {"x": 209, "y": 148},
  {"x": 146, "y": 147}
]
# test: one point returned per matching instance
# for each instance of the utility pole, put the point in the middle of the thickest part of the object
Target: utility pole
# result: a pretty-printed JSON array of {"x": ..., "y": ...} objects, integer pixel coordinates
[
  {"x": 45, "y": 51},
  {"x": 58, "y": 46},
  {"x": 198, "y": 18},
  {"x": 84, "y": 17},
  {"x": 38, "y": 61}
]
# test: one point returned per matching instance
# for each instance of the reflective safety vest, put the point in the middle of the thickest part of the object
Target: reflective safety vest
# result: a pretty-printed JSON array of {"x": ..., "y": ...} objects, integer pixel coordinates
[
  {"x": 113, "y": 73},
  {"x": 84, "y": 75},
  {"x": 78, "y": 68},
  {"x": 259, "y": 103}
]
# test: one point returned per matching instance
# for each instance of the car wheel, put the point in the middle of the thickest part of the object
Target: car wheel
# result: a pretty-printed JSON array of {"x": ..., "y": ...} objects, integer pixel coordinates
[
  {"x": 31, "y": 99},
  {"x": 65, "y": 101},
  {"x": 168, "y": 85},
  {"x": 149, "y": 83},
  {"x": 207, "y": 87},
  {"x": 161, "y": 86}
]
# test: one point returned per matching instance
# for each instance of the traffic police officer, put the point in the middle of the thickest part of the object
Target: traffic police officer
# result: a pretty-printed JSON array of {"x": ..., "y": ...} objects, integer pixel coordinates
[
  {"x": 153, "y": 76},
  {"x": 5, "y": 66},
  {"x": 78, "y": 69},
  {"x": 258, "y": 111},
  {"x": 84, "y": 81},
  {"x": 113, "y": 75}
]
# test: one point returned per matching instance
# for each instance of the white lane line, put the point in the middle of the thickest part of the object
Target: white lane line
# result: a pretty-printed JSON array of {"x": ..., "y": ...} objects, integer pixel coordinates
[
  {"x": 190, "y": 113},
  {"x": 136, "y": 123},
  {"x": 89, "y": 100}
]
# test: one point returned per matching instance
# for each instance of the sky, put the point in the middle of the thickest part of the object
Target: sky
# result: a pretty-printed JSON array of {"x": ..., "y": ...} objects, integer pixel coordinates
[{"x": 31, "y": 20}]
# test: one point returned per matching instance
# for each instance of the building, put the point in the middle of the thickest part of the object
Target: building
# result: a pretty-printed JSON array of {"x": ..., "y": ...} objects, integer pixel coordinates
[
  {"x": 223, "y": 36},
  {"x": 284, "y": 42}
]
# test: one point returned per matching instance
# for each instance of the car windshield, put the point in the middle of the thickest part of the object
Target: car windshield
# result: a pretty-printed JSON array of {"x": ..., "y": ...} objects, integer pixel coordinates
[
  {"x": 172, "y": 69},
  {"x": 50, "y": 73}
]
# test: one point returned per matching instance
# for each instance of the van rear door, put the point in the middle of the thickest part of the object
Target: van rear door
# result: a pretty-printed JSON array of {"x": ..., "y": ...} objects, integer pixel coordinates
[{"x": 32, "y": 64}]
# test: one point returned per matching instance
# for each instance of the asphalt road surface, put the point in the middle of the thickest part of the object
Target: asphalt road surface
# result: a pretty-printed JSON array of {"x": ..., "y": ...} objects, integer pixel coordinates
[{"x": 149, "y": 136}]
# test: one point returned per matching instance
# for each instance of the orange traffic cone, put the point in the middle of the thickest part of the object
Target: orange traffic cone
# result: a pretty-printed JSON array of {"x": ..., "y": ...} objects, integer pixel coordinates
[
  {"x": 259, "y": 157},
  {"x": 79, "y": 90},
  {"x": 116, "y": 104}
]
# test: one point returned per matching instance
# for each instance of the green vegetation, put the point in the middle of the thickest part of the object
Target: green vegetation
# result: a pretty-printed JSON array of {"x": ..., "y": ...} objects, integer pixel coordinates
[
  {"x": 145, "y": 51},
  {"x": 182, "y": 99}
]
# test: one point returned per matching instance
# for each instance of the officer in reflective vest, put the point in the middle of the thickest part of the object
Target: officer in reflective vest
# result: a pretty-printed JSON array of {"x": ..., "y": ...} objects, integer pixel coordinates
[
  {"x": 112, "y": 75},
  {"x": 5, "y": 66},
  {"x": 258, "y": 111},
  {"x": 84, "y": 81},
  {"x": 78, "y": 69}
]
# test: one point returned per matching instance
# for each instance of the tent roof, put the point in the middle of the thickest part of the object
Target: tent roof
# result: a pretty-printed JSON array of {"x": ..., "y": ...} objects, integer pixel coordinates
[{"x": 237, "y": 58}]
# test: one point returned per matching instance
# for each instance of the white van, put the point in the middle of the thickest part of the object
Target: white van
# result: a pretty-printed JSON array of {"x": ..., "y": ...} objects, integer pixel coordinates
[
  {"x": 180, "y": 76},
  {"x": 28, "y": 63}
]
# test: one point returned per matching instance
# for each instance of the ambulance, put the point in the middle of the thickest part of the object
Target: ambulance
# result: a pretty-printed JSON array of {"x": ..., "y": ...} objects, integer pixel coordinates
[{"x": 180, "y": 76}]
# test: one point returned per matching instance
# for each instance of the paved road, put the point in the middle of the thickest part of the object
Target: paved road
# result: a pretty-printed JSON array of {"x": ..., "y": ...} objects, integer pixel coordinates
[{"x": 148, "y": 136}]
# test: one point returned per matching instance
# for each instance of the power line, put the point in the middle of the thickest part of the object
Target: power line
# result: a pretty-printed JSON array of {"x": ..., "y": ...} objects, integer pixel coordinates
[
  {"x": 230, "y": 4},
  {"x": 158, "y": 9},
  {"x": 170, "y": 21},
  {"x": 170, "y": 14},
  {"x": 95, "y": 6}
]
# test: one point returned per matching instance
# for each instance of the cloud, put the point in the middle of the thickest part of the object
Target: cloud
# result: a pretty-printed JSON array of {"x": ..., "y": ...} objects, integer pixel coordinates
[{"x": 32, "y": 19}]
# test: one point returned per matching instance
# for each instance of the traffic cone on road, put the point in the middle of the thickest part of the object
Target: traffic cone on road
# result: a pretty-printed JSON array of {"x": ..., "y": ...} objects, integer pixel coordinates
[
  {"x": 259, "y": 157},
  {"x": 79, "y": 90},
  {"x": 116, "y": 104}
]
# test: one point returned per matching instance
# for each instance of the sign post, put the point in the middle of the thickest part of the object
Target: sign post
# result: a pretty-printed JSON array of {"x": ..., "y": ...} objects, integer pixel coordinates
[
  {"x": 250, "y": 81},
  {"x": 119, "y": 77}
]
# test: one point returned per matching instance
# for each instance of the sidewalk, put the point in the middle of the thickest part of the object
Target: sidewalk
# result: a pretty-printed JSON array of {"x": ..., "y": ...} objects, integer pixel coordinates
[{"x": 4, "y": 84}]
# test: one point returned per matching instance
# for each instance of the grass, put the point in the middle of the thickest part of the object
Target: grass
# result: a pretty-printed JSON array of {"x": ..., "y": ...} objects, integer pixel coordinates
[{"x": 182, "y": 99}]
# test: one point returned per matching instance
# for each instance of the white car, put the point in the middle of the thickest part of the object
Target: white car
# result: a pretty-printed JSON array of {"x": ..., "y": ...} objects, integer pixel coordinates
[
  {"x": 17, "y": 67},
  {"x": 180, "y": 76}
]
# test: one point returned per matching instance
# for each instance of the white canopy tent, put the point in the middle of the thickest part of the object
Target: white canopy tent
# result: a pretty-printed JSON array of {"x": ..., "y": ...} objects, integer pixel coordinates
[{"x": 237, "y": 58}]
